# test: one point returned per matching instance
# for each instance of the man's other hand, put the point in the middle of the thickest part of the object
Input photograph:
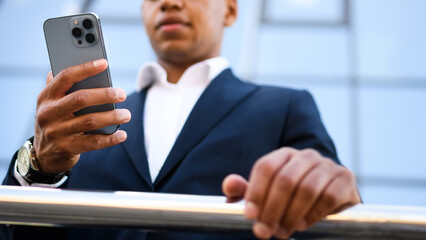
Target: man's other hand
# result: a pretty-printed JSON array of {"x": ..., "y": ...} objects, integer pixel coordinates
[
  {"x": 290, "y": 190},
  {"x": 59, "y": 135}
]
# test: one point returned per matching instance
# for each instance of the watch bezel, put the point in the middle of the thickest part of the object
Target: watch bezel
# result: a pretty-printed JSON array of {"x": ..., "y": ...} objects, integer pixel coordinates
[
  {"x": 23, "y": 162},
  {"x": 33, "y": 159}
]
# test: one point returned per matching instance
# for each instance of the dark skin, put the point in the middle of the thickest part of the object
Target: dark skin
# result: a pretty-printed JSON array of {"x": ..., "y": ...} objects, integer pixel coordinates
[
  {"x": 58, "y": 135},
  {"x": 186, "y": 32},
  {"x": 288, "y": 189}
]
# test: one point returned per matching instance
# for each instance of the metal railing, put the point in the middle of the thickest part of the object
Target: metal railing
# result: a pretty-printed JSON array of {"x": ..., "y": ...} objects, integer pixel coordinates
[{"x": 55, "y": 207}]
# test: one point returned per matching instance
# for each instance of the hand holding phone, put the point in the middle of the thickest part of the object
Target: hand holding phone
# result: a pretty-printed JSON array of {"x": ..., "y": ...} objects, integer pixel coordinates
[
  {"x": 59, "y": 127},
  {"x": 74, "y": 40}
]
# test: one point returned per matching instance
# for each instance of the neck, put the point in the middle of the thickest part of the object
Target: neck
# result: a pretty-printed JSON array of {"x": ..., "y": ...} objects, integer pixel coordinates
[
  {"x": 176, "y": 68},
  {"x": 174, "y": 71}
]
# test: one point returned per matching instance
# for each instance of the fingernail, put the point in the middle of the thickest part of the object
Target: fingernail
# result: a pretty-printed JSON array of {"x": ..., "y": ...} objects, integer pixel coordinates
[
  {"x": 125, "y": 115},
  {"x": 121, "y": 94},
  {"x": 99, "y": 63},
  {"x": 251, "y": 210},
  {"x": 122, "y": 135},
  {"x": 262, "y": 230},
  {"x": 281, "y": 233}
]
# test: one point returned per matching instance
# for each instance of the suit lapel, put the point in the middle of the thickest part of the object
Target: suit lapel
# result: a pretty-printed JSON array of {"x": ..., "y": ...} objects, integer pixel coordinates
[
  {"x": 135, "y": 143},
  {"x": 219, "y": 98}
]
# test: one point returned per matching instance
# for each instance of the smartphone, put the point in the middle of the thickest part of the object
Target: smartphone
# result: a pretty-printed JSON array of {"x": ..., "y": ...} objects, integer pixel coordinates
[{"x": 77, "y": 39}]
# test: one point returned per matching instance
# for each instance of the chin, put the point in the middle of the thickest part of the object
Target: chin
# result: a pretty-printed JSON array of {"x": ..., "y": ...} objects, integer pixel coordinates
[{"x": 174, "y": 48}]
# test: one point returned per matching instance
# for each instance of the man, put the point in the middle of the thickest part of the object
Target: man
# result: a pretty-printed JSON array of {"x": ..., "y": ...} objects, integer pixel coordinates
[{"x": 193, "y": 125}]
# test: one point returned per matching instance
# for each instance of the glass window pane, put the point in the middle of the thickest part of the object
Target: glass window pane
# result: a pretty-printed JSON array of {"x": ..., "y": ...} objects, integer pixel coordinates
[
  {"x": 129, "y": 9},
  {"x": 393, "y": 132},
  {"x": 305, "y": 52},
  {"x": 391, "y": 38},
  {"x": 21, "y": 22},
  {"x": 393, "y": 195},
  {"x": 19, "y": 97},
  {"x": 127, "y": 46},
  {"x": 332, "y": 11}
]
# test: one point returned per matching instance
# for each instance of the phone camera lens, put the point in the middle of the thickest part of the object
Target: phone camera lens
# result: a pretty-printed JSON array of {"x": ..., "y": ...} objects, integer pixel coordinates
[
  {"x": 90, "y": 38},
  {"x": 77, "y": 32},
  {"x": 87, "y": 24}
]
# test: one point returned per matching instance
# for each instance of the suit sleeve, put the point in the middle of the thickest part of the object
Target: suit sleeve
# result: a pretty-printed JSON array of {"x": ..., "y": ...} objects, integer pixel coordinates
[
  {"x": 10, "y": 179},
  {"x": 25, "y": 232},
  {"x": 13, "y": 178},
  {"x": 6, "y": 231},
  {"x": 304, "y": 128}
]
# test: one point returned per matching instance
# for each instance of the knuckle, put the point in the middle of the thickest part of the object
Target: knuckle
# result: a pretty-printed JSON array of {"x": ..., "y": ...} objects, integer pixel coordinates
[
  {"x": 95, "y": 142},
  {"x": 285, "y": 150},
  {"x": 285, "y": 180},
  {"x": 64, "y": 74},
  {"x": 42, "y": 116},
  {"x": 346, "y": 174},
  {"x": 85, "y": 69},
  {"x": 330, "y": 164},
  {"x": 89, "y": 123},
  {"x": 50, "y": 133},
  {"x": 330, "y": 199},
  {"x": 309, "y": 153},
  {"x": 80, "y": 98},
  {"x": 264, "y": 167},
  {"x": 349, "y": 174},
  {"x": 309, "y": 191},
  {"x": 40, "y": 97},
  {"x": 110, "y": 93},
  {"x": 75, "y": 128},
  {"x": 353, "y": 179}
]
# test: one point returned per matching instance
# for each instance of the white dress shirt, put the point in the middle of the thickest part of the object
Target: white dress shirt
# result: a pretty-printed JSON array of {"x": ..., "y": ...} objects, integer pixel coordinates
[{"x": 167, "y": 106}]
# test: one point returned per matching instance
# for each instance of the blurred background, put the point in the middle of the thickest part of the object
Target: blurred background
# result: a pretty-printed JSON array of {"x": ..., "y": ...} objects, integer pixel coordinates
[{"x": 363, "y": 60}]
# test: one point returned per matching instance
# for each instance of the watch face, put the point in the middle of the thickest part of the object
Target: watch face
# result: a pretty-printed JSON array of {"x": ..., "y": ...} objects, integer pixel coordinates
[{"x": 23, "y": 161}]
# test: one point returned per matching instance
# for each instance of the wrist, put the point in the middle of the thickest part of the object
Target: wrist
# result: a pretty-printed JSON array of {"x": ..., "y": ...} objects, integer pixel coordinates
[{"x": 28, "y": 167}]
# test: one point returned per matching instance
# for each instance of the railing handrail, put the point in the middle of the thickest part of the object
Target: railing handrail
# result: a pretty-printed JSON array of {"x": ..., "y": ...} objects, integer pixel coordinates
[{"x": 56, "y": 207}]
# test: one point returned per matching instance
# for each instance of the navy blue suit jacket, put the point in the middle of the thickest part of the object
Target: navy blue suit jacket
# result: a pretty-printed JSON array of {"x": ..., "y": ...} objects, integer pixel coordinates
[{"x": 230, "y": 127}]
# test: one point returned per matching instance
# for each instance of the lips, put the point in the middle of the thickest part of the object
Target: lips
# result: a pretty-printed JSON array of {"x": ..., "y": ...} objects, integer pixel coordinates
[{"x": 171, "y": 23}]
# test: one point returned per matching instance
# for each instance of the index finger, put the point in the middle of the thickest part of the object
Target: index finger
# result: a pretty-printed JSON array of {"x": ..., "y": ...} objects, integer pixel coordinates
[
  {"x": 261, "y": 177},
  {"x": 65, "y": 79},
  {"x": 88, "y": 97}
]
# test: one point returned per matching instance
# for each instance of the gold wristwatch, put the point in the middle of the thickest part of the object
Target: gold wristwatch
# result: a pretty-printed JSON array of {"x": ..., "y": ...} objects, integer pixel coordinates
[{"x": 28, "y": 168}]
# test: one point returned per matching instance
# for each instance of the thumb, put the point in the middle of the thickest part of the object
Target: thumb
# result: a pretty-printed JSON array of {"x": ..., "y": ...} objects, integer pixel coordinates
[
  {"x": 49, "y": 77},
  {"x": 234, "y": 187}
]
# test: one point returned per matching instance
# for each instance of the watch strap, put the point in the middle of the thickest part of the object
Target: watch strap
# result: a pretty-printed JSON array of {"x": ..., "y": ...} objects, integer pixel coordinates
[{"x": 38, "y": 176}]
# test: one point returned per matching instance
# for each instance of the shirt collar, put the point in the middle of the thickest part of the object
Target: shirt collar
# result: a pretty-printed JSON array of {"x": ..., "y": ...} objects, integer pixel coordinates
[{"x": 153, "y": 73}]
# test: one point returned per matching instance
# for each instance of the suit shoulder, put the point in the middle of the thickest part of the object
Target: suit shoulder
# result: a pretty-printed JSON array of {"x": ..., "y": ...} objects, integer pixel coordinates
[
  {"x": 267, "y": 88},
  {"x": 282, "y": 92}
]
